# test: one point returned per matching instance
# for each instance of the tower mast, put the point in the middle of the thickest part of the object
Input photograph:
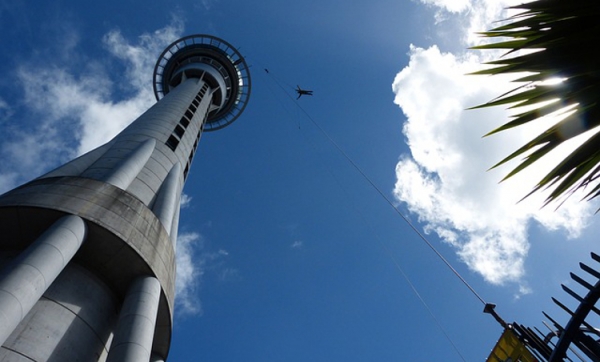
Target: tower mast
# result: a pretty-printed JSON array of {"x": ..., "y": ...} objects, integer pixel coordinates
[{"x": 87, "y": 252}]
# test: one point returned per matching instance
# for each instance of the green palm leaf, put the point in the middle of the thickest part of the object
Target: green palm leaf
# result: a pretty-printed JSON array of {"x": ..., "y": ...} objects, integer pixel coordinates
[{"x": 563, "y": 35}]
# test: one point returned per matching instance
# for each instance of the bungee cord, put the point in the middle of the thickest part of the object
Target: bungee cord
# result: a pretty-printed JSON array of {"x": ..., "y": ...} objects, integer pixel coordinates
[{"x": 489, "y": 307}]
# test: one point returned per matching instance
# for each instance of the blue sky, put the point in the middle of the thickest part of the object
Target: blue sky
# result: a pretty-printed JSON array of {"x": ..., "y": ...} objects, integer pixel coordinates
[{"x": 286, "y": 252}]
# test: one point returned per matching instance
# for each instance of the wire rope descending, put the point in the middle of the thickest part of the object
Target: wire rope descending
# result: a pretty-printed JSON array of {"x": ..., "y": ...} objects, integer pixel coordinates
[
  {"x": 381, "y": 193},
  {"x": 406, "y": 220}
]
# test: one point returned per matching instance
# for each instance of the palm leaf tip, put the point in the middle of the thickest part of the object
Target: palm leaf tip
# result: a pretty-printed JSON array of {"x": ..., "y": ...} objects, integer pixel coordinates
[{"x": 561, "y": 31}]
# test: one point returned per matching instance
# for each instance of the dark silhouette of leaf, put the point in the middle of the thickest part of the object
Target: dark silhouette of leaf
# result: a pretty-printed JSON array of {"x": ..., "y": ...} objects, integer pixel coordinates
[{"x": 559, "y": 36}]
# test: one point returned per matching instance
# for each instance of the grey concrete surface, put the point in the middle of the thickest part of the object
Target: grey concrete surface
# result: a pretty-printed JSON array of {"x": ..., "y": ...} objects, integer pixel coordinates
[
  {"x": 73, "y": 321},
  {"x": 167, "y": 200},
  {"x": 24, "y": 281},
  {"x": 135, "y": 329}
]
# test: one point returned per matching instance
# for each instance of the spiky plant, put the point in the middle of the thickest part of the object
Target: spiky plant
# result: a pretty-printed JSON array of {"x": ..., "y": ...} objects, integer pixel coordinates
[{"x": 564, "y": 36}]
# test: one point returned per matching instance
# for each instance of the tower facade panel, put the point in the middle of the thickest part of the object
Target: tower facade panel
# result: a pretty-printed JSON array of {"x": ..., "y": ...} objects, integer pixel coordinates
[{"x": 74, "y": 319}]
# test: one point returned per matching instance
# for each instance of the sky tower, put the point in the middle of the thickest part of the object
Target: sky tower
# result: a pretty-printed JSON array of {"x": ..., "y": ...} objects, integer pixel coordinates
[{"x": 87, "y": 252}]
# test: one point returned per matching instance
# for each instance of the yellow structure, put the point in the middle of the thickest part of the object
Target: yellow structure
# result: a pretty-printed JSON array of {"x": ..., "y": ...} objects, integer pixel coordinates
[{"x": 510, "y": 349}]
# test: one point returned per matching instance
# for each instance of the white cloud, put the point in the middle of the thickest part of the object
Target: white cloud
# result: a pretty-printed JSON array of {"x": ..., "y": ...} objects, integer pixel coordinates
[
  {"x": 102, "y": 120},
  {"x": 8, "y": 180},
  {"x": 74, "y": 106},
  {"x": 208, "y": 4},
  {"x": 473, "y": 15},
  {"x": 297, "y": 244},
  {"x": 229, "y": 274},
  {"x": 5, "y": 111},
  {"x": 453, "y": 6},
  {"x": 140, "y": 58},
  {"x": 27, "y": 152},
  {"x": 193, "y": 262},
  {"x": 185, "y": 200},
  {"x": 444, "y": 180},
  {"x": 188, "y": 274},
  {"x": 485, "y": 14}
]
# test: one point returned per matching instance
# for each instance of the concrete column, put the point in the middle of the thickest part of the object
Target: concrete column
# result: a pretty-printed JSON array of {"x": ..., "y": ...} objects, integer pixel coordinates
[
  {"x": 135, "y": 330},
  {"x": 26, "y": 278},
  {"x": 175, "y": 227},
  {"x": 78, "y": 165},
  {"x": 128, "y": 169},
  {"x": 167, "y": 199}
]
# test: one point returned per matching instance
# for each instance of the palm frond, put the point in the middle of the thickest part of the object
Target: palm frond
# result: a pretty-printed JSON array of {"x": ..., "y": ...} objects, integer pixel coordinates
[{"x": 559, "y": 38}]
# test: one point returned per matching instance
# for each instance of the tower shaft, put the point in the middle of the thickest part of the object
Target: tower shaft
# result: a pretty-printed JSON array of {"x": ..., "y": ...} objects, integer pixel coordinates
[
  {"x": 128, "y": 189},
  {"x": 87, "y": 251}
]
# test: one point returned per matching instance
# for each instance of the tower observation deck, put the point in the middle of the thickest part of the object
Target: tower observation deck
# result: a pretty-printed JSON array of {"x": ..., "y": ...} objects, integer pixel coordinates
[
  {"x": 213, "y": 60},
  {"x": 87, "y": 252}
]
